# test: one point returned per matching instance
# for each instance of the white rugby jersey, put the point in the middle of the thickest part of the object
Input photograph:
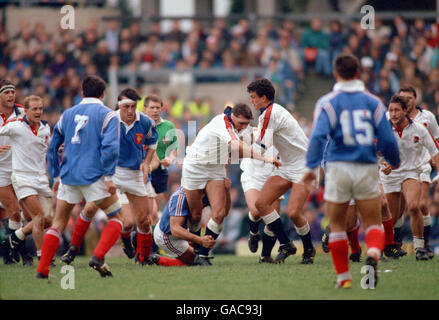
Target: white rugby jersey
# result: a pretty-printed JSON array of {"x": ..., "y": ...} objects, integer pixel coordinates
[
  {"x": 258, "y": 168},
  {"x": 428, "y": 119},
  {"x": 211, "y": 146},
  {"x": 28, "y": 146},
  {"x": 276, "y": 126},
  {"x": 6, "y": 157},
  {"x": 411, "y": 141}
]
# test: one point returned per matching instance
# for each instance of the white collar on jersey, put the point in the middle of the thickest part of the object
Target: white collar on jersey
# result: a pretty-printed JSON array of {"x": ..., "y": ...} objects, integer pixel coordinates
[
  {"x": 349, "y": 86},
  {"x": 128, "y": 127},
  {"x": 91, "y": 100}
]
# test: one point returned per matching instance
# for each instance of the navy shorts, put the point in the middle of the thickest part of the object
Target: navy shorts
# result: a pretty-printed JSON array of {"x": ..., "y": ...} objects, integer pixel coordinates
[{"x": 159, "y": 180}]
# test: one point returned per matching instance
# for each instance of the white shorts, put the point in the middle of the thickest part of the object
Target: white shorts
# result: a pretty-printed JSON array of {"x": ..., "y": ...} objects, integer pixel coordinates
[
  {"x": 5, "y": 177},
  {"x": 252, "y": 182},
  {"x": 173, "y": 247},
  {"x": 130, "y": 181},
  {"x": 347, "y": 180},
  {"x": 149, "y": 193},
  {"x": 425, "y": 175},
  {"x": 26, "y": 185},
  {"x": 195, "y": 176},
  {"x": 294, "y": 172},
  {"x": 75, "y": 194},
  {"x": 393, "y": 182}
]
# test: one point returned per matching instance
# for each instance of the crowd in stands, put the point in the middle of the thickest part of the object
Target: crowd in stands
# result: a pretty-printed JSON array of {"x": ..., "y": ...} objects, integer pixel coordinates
[{"x": 396, "y": 53}]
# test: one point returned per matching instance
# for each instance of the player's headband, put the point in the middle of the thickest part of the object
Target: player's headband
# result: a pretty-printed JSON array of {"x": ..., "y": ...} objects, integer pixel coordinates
[
  {"x": 7, "y": 87},
  {"x": 124, "y": 101}
]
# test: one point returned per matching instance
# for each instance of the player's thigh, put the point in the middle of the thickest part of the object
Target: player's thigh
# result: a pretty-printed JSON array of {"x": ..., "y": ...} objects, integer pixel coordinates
[
  {"x": 9, "y": 200},
  {"x": 351, "y": 217},
  {"x": 216, "y": 193},
  {"x": 423, "y": 201},
  {"x": 62, "y": 214},
  {"x": 336, "y": 213},
  {"x": 369, "y": 210},
  {"x": 33, "y": 206},
  {"x": 272, "y": 190},
  {"x": 298, "y": 197},
  {"x": 193, "y": 198},
  {"x": 394, "y": 203},
  {"x": 411, "y": 189}
]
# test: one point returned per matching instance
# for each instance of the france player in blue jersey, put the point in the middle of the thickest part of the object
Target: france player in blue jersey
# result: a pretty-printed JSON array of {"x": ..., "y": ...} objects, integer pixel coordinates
[
  {"x": 90, "y": 133},
  {"x": 351, "y": 118},
  {"x": 138, "y": 139},
  {"x": 174, "y": 231}
]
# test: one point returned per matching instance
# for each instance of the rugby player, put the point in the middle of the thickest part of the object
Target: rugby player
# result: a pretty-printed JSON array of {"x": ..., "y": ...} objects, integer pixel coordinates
[
  {"x": 276, "y": 126},
  {"x": 352, "y": 118},
  {"x": 90, "y": 133}
]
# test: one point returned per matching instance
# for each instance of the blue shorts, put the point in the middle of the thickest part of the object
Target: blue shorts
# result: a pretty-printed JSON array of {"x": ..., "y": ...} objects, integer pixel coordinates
[{"x": 159, "y": 180}]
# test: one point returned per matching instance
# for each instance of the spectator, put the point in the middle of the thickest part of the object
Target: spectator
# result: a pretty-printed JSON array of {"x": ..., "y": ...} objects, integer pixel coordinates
[{"x": 315, "y": 48}]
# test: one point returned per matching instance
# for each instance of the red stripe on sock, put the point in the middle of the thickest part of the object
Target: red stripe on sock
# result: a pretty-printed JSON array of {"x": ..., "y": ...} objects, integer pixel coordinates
[
  {"x": 388, "y": 231},
  {"x": 168, "y": 262},
  {"x": 48, "y": 250},
  {"x": 79, "y": 231},
  {"x": 144, "y": 244},
  {"x": 109, "y": 236},
  {"x": 339, "y": 253},
  {"x": 353, "y": 239}
]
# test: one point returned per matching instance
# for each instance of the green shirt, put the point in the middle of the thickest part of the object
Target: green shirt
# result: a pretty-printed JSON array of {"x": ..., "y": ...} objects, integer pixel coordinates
[{"x": 167, "y": 138}]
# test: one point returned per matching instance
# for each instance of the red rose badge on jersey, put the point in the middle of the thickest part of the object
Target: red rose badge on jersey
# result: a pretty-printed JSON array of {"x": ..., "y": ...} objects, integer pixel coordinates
[
  {"x": 139, "y": 138},
  {"x": 415, "y": 139}
]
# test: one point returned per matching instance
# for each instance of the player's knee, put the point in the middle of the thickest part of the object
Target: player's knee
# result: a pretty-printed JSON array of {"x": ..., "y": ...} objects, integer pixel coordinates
[
  {"x": 423, "y": 207},
  {"x": 260, "y": 205},
  {"x": 47, "y": 222},
  {"x": 114, "y": 209},
  {"x": 144, "y": 223},
  {"x": 413, "y": 207}
]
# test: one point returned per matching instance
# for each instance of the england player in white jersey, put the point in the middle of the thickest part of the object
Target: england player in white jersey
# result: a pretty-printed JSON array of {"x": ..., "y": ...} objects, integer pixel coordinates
[
  {"x": 90, "y": 133},
  {"x": 276, "y": 126},
  {"x": 428, "y": 119},
  {"x": 254, "y": 174},
  {"x": 9, "y": 111},
  {"x": 204, "y": 167},
  {"x": 412, "y": 137},
  {"x": 29, "y": 139}
]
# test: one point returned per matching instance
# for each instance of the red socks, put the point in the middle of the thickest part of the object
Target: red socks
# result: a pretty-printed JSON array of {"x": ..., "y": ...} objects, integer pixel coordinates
[
  {"x": 80, "y": 230},
  {"x": 109, "y": 236},
  {"x": 353, "y": 239},
  {"x": 48, "y": 250},
  {"x": 338, "y": 246},
  {"x": 168, "y": 262},
  {"x": 388, "y": 231},
  {"x": 375, "y": 241},
  {"x": 144, "y": 244}
]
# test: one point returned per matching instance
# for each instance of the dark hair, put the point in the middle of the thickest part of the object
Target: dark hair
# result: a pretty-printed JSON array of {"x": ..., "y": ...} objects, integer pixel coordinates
[
  {"x": 396, "y": 98},
  {"x": 408, "y": 89},
  {"x": 346, "y": 66},
  {"x": 262, "y": 87},
  {"x": 241, "y": 109},
  {"x": 129, "y": 93},
  {"x": 93, "y": 87},
  {"x": 153, "y": 98},
  {"x": 5, "y": 82}
]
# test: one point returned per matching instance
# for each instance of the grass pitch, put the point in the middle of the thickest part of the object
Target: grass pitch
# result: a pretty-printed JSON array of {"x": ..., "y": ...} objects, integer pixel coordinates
[{"x": 230, "y": 278}]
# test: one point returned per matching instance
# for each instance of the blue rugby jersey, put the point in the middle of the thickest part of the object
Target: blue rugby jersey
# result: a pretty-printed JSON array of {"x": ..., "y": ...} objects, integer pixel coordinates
[
  {"x": 135, "y": 140},
  {"x": 177, "y": 206},
  {"x": 90, "y": 132},
  {"x": 352, "y": 119}
]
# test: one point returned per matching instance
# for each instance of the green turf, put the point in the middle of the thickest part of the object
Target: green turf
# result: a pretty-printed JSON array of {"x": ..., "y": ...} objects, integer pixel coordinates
[{"x": 231, "y": 277}]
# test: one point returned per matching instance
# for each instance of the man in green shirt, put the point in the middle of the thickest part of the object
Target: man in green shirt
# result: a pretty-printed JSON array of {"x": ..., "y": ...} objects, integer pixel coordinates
[{"x": 166, "y": 147}]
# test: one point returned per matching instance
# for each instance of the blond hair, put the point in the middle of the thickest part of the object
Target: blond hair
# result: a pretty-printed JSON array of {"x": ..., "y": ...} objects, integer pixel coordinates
[{"x": 30, "y": 98}]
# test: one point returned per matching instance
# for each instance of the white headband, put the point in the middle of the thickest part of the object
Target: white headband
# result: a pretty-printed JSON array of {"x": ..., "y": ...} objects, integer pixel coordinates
[
  {"x": 121, "y": 102},
  {"x": 7, "y": 88}
]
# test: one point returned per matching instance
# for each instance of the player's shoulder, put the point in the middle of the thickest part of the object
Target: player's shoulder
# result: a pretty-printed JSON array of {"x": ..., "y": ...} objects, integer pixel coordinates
[
  {"x": 145, "y": 120},
  {"x": 167, "y": 123}
]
